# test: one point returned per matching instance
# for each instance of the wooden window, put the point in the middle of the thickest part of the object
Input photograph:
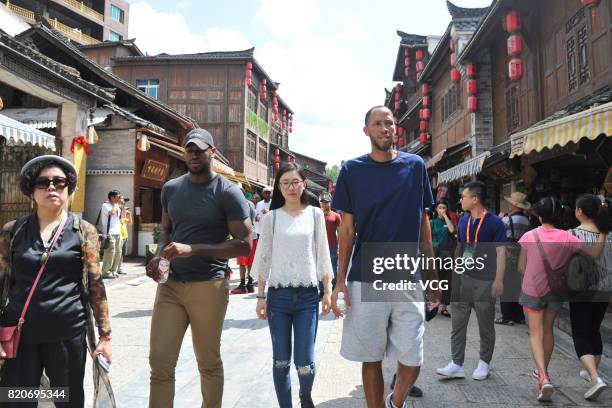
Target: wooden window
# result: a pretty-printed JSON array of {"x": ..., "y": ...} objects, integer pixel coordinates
[
  {"x": 263, "y": 152},
  {"x": 451, "y": 102},
  {"x": 513, "y": 119},
  {"x": 251, "y": 148},
  {"x": 252, "y": 101},
  {"x": 577, "y": 51},
  {"x": 263, "y": 111}
]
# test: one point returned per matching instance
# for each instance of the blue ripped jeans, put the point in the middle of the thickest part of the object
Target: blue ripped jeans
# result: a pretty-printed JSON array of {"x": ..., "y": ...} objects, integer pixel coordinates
[{"x": 297, "y": 309}]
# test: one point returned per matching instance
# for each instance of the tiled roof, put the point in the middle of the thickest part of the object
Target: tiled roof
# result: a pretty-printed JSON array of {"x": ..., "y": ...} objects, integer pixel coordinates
[
  {"x": 457, "y": 12},
  {"x": 134, "y": 118},
  {"x": 200, "y": 56},
  {"x": 127, "y": 43},
  {"x": 66, "y": 72},
  {"x": 603, "y": 95},
  {"x": 413, "y": 40},
  {"x": 59, "y": 39}
]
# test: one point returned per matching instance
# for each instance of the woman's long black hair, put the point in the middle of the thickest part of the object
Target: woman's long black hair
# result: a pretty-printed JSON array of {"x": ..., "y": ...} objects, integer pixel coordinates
[
  {"x": 550, "y": 210},
  {"x": 595, "y": 209},
  {"x": 277, "y": 197}
]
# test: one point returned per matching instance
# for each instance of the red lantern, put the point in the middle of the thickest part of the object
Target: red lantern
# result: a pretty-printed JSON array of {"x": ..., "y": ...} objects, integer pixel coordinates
[
  {"x": 423, "y": 126},
  {"x": 407, "y": 61},
  {"x": 398, "y": 87},
  {"x": 425, "y": 90},
  {"x": 398, "y": 96},
  {"x": 472, "y": 87},
  {"x": 420, "y": 66},
  {"x": 419, "y": 55},
  {"x": 276, "y": 151},
  {"x": 249, "y": 74},
  {"x": 275, "y": 117},
  {"x": 455, "y": 75},
  {"x": 514, "y": 45},
  {"x": 264, "y": 82},
  {"x": 400, "y": 141},
  {"x": 515, "y": 69},
  {"x": 248, "y": 82},
  {"x": 249, "y": 65},
  {"x": 470, "y": 69},
  {"x": 423, "y": 137},
  {"x": 425, "y": 114},
  {"x": 290, "y": 129},
  {"x": 590, "y": 3},
  {"x": 276, "y": 159},
  {"x": 472, "y": 103},
  {"x": 427, "y": 101},
  {"x": 513, "y": 21},
  {"x": 400, "y": 131},
  {"x": 453, "y": 46},
  {"x": 398, "y": 105},
  {"x": 406, "y": 71},
  {"x": 274, "y": 94},
  {"x": 453, "y": 59}
]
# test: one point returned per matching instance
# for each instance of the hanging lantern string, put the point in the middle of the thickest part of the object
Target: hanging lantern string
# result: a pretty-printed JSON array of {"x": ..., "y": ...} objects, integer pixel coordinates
[{"x": 82, "y": 140}]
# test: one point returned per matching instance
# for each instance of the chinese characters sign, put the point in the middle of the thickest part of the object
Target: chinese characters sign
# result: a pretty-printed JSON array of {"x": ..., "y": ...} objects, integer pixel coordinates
[{"x": 154, "y": 170}]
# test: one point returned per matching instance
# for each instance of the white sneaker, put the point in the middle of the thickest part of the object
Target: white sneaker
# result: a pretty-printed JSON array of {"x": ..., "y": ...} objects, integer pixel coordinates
[
  {"x": 595, "y": 390},
  {"x": 546, "y": 392},
  {"x": 481, "y": 372},
  {"x": 584, "y": 374},
  {"x": 389, "y": 402},
  {"x": 452, "y": 370}
]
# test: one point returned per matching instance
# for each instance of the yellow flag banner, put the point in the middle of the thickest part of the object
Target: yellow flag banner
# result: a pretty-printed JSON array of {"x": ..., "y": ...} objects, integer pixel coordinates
[{"x": 79, "y": 158}]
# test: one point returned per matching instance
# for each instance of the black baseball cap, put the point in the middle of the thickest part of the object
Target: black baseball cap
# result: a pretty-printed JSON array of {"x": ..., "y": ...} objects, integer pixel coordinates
[
  {"x": 200, "y": 137},
  {"x": 326, "y": 198}
]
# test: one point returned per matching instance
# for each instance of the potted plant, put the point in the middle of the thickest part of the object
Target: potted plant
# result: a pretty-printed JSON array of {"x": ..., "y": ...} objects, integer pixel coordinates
[{"x": 151, "y": 249}]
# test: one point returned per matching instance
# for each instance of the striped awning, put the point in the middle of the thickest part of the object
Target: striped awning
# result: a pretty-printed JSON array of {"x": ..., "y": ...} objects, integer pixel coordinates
[
  {"x": 468, "y": 168},
  {"x": 18, "y": 133},
  {"x": 588, "y": 124}
]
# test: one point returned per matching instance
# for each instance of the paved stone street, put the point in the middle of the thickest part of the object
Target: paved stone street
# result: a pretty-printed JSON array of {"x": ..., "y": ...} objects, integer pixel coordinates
[{"x": 247, "y": 355}]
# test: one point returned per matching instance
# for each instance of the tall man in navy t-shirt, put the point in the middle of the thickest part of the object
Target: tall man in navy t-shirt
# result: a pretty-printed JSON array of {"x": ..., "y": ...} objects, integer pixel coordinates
[
  {"x": 382, "y": 196},
  {"x": 482, "y": 235}
]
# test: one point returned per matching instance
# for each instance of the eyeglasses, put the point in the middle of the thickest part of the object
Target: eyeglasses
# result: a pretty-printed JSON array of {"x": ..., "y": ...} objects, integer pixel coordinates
[
  {"x": 59, "y": 183},
  {"x": 294, "y": 184}
]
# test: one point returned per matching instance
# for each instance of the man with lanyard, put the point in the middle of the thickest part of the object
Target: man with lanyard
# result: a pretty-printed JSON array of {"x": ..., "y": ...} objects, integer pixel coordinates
[
  {"x": 200, "y": 211},
  {"x": 481, "y": 238},
  {"x": 517, "y": 224},
  {"x": 367, "y": 193}
]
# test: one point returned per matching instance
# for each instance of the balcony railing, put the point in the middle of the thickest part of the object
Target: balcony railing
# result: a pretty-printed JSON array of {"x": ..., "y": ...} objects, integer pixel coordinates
[
  {"x": 84, "y": 9},
  {"x": 73, "y": 33},
  {"x": 21, "y": 12}
]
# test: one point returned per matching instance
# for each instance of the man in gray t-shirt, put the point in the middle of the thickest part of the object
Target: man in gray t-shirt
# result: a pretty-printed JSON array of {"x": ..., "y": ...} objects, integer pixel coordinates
[{"x": 205, "y": 222}]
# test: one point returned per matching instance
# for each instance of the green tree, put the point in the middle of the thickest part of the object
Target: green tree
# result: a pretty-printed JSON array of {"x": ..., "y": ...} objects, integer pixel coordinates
[{"x": 332, "y": 172}]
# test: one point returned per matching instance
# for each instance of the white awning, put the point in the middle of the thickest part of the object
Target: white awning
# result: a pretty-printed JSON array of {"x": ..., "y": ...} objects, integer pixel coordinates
[
  {"x": 46, "y": 118},
  {"x": 18, "y": 133},
  {"x": 465, "y": 169}
]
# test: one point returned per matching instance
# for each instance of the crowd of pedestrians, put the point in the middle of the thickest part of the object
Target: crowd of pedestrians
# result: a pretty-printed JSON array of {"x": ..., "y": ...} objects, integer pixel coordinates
[{"x": 307, "y": 257}]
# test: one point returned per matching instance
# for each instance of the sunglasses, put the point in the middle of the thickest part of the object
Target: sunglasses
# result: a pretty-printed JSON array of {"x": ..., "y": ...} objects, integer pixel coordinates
[{"x": 58, "y": 182}]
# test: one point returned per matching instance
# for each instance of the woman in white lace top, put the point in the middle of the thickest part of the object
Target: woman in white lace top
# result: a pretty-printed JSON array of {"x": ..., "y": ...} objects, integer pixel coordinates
[{"x": 292, "y": 257}]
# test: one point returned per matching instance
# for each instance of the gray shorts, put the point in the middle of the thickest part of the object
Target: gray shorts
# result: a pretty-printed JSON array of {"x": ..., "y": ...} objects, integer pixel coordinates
[
  {"x": 373, "y": 330},
  {"x": 540, "y": 303}
]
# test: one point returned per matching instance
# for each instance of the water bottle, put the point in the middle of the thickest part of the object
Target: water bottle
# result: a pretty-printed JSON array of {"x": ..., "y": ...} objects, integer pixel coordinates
[
  {"x": 340, "y": 303},
  {"x": 164, "y": 268}
]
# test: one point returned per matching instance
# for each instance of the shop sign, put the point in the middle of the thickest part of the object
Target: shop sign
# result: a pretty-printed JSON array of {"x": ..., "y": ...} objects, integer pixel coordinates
[{"x": 154, "y": 170}]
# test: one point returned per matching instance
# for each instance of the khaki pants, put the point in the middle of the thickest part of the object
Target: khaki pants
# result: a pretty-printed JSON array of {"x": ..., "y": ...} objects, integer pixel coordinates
[
  {"x": 201, "y": 305},
  {"x": 112, "y": 255},
  {"x": 471, "y": 293}
]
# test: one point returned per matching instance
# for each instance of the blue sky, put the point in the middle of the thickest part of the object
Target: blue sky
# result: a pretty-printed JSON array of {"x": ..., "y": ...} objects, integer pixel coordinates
[{"x": 332, "y": 58}]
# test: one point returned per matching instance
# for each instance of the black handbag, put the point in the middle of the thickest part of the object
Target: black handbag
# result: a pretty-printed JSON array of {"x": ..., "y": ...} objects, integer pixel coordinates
[{"x": 103, "y": 239}]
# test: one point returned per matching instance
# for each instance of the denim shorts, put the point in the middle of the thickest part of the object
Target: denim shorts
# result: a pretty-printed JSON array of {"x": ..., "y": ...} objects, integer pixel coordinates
[{"x": 540, "y": 303}]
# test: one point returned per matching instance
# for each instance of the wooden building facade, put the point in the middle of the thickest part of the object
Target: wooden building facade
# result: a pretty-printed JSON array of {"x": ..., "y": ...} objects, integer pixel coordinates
[
  {"x": 528, "y": 106},
  {"x": 227, "y": 93}
]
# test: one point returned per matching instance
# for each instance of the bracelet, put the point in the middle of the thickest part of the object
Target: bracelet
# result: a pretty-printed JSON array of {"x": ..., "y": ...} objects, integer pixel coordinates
[
  {"x": 261, "y": 297},
  {"x": 105, "y": 337}
]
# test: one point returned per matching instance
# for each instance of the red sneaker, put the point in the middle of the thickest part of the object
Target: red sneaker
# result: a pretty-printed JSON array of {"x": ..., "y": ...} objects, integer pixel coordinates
[{"x": 239, "y": 290}]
